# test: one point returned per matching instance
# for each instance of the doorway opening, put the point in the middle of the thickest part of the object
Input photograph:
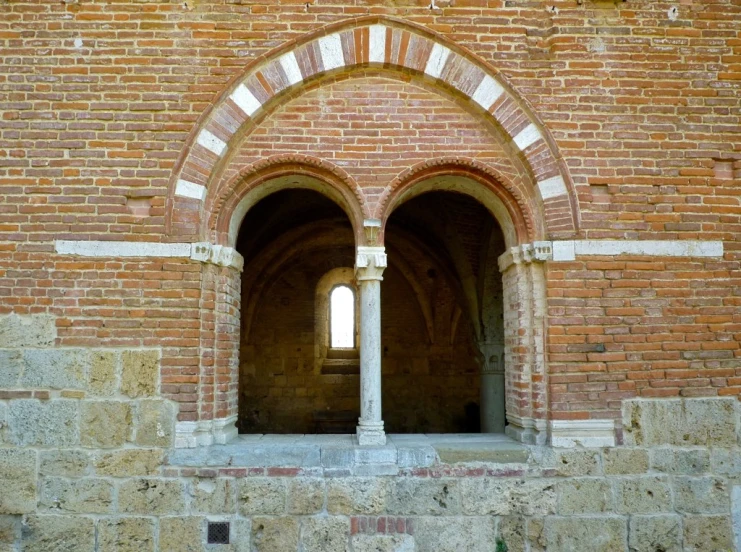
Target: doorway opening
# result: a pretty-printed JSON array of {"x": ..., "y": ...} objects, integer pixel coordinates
[
  {"x": 442, "y": 318},
  {"x": 299, "y": 251}
]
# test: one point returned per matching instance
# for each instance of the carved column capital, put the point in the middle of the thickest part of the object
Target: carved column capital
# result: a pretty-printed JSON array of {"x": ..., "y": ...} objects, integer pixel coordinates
[
  {"x": 370, "y": 263},
  {"x": 536, "y": 252}
]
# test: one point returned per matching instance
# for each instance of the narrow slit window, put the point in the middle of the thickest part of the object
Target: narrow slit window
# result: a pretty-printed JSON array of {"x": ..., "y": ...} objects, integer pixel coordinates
[{"x": 342, "y": 318}]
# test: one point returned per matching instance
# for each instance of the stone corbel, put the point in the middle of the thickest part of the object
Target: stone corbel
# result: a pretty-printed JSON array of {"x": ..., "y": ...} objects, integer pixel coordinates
[
  {"x": 217, "y": 254},
  {"x": 370, "y": 263},
  {"x": 536, "y": 252}
]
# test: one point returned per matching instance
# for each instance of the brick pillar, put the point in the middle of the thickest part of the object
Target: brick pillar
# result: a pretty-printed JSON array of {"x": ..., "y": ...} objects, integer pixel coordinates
[
  {"x": 218, "y": 370},
  {"x": 524, "y": 341}
]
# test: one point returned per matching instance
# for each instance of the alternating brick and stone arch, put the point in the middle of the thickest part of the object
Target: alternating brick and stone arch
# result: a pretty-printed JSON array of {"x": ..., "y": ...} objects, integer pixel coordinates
[
  {"x": 397, "y": 48},
  {"x": 511, "y": 166}
]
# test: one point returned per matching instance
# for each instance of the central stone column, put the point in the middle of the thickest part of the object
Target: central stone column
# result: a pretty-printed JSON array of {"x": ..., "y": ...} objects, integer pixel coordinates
[{"x": 368, "y": 270}]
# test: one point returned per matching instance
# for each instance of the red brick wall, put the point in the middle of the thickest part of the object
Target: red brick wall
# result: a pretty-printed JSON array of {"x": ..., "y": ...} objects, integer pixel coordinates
[{"x": 640, "y": 107}]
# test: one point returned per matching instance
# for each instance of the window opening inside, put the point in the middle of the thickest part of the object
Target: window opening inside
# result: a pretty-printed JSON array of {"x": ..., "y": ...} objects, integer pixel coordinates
[{"x": 342, "y": 318}]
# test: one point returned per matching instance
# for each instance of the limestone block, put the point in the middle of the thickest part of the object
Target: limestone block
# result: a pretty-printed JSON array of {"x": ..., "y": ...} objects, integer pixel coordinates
[
  {"x": 619, "y": 461},
  {"x": 129, "y": 463},
  {"x": 701, "y": 495},
  {"x": 357, "y": 495},
  {"x": 105, "y": 424},
  {"x": 181, "y": 534},
  {"x": 680, "y": 461},
  {"x": 262, "y": 495},
  {"x": 596, "y": 534},
  {"x": 155, "y": 424},
  {"x": 278, "y": 534},
  {"x": 584, "y": 496},
  {"x": 213, "y": 496},
  {"x": 55, "y": 368},
  {"x": 102, "y": 378},
  {"x": 11, "y": 362},
  {"x": 681, "y": 422},
  {"x": 151, "y": 496},
  {"x": 726, "y": 462},
  {"x": 383, "y": 543},
  {"x": 140, "y": 373},
  {"x": 52, "y": 533},
  {"x": 36, "y": 330},
  {"x": 707, "y": 533},
  {"x": 64, "y": 463},
  {"x": 643, "y": 495},
  {"x": 424, "y": 496},
  {"x": 77, "y": 496},
  {"x": 512, "y": 532},
  {"x": 50, "y": 423},
  {"x": 536, "y": 534},
  {"x": 17, "y": 481},
  {"x": 507, "y": 496},
  {"x": 652, "y": 533},
  {"x": 305, "y": 495},
  {"x": 325, "y": 534},
  {"x": 455, "y": 534},
  {"x": 126, "y": 534},
  {"x": 569, "y": 463},
  {"x": 10, "y": 531},
  {"x": 3, "y": 422}
]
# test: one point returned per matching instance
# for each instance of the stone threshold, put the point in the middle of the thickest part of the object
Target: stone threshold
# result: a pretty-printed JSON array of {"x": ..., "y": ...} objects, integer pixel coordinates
[{"x": 341, "y": 455}]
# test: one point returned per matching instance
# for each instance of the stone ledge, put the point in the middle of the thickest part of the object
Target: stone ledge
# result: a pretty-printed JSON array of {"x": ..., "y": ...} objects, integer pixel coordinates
[{"x": 341, "y": 455}]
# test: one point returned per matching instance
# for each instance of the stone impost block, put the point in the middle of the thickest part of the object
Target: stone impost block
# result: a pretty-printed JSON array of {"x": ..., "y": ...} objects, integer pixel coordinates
[
  {"x": 55, "y": 368},
  {"x": 325, "y": 533},
  {"x": 213, "y": 496},
  {"x": 129, "y": 463},
  {"x": 155, "y": 423},
  {"x": 455, "y": 534},
  {"x": 584, "y": 496},
  {"x": 680, "y": 461},
  {"x": 701, "y": 495},
  {"x": 102, "y": 376},
  {"x": 424, "y": 496},
  {"x": 305, "y": 495},
  {"x": 585, "y": 533},
  {"x": 105, "y": 424},
  {"x": 151, "y": 496},
  {"x": 274, "y": 534},
  {"x": 707, "y": 533},
  {"x": 643, "y": 495},
  {"x": 262, "y": 495},
  {"x": 383, "y": 543},
  {"x": 503, "y": 497},
  {"x": 619, "y": 461},
  {"x": 11, "y": 366},
  {"x": 181, "y": 534},
  {"x": 49, "y": 424},
  {"x": 36, "y": 330},
  {"x": 52, "y": 533},
  {"x": 357, "y": 495},
  {"x": 126, "y": 534},
  {"x": 140, "y": 373},
  {"x": 652, "y": 533},
  {"x": 78, "y": 496},
  {"x": 17, "y": 481},
  {"x": 681, "y": 422}
]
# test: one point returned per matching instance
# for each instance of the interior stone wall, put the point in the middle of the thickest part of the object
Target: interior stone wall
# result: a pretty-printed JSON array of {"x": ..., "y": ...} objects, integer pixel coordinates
[{"x": 426, "y": 388}]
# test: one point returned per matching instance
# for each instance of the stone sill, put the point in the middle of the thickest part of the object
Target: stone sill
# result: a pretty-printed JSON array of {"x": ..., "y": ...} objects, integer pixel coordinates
[{"x": 340, "y": 454}]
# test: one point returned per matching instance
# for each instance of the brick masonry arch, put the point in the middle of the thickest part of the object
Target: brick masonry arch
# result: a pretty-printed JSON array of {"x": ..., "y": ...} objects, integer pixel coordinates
[{"x": 361, "y": 43}]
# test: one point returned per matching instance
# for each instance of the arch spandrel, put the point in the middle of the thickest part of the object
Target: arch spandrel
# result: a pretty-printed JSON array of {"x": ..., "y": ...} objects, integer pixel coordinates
[{"x": 366, "y": 42}]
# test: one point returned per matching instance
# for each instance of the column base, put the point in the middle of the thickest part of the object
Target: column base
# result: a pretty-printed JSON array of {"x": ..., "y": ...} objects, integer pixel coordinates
[
  {"x": 205, "y": 433},
  {"x": 370, "y": 433}
]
